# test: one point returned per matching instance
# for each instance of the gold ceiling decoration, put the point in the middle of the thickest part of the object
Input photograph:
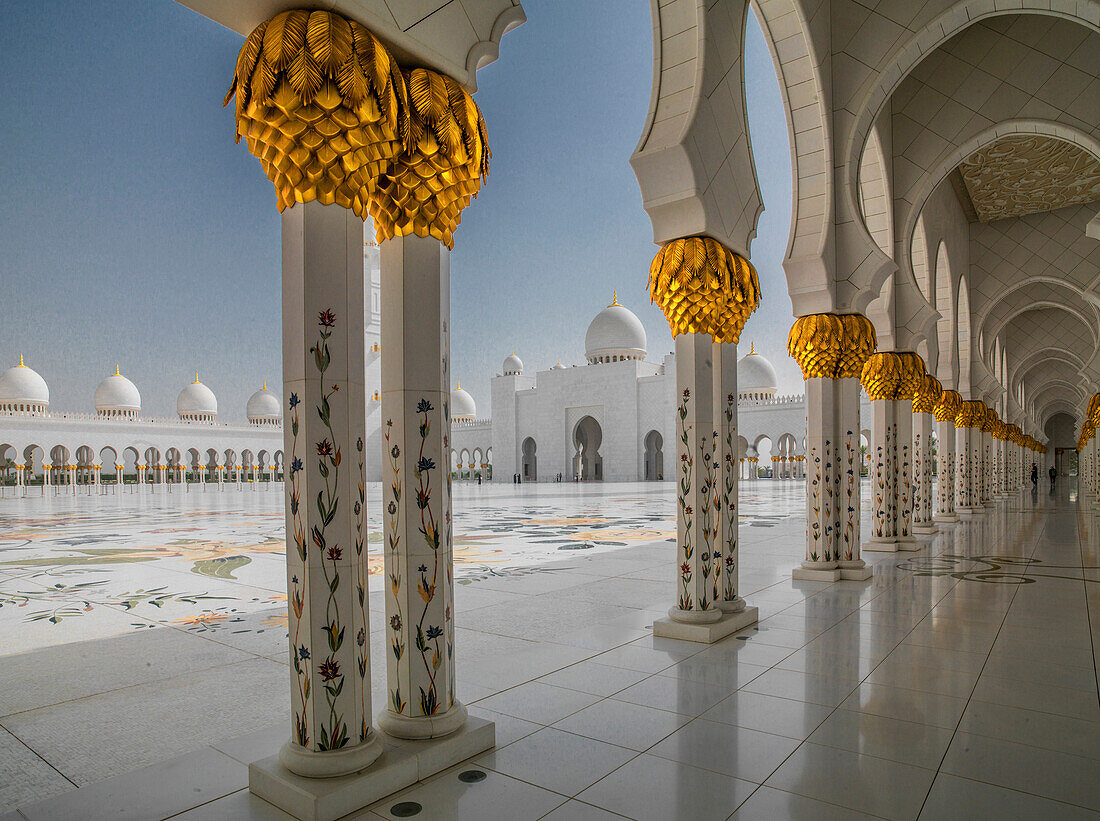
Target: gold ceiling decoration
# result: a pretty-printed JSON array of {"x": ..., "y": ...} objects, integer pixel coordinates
[
  {"x": 1025, "y": 174},
  {"x": 928, "y": 395},
  {"x": 318, "y": 102},
  {"x": 703, "y": 287},
  {"x": 893, "y": 375},
  {"x": 446, "y": 158},
  {"x": 831, "y": 346}
]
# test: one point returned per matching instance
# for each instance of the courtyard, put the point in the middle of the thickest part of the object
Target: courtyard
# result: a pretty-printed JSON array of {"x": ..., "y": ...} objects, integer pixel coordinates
[{"x": 144, "y": 639}]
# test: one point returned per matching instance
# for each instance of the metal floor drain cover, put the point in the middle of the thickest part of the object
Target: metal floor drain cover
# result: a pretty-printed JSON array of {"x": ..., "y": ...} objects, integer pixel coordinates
[
  {"x": 406, "y": 809},
  {"x": 471, "y": 776}
]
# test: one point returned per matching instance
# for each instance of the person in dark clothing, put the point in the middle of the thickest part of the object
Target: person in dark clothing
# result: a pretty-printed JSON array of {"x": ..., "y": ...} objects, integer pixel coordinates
[
  {"x": 1034, "y": 475},
  {"x": 1053, "y": 475}
]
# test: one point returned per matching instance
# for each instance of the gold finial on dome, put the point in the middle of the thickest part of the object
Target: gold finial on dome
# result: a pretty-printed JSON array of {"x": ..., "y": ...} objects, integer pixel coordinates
[
  {"x": 117, "y": 372},
  {"x": 752, "y": 348},
  {"x": 614, "y": 299},
  {"x": 21, "y": 365},
  {"x": 459, "y": 384},
  {"x": 196, "y": 378},
  {"x": 265, "y": 385}
]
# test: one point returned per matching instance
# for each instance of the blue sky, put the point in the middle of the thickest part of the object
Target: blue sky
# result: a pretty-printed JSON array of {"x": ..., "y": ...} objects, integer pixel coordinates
[{"x": 134, "y": 231}]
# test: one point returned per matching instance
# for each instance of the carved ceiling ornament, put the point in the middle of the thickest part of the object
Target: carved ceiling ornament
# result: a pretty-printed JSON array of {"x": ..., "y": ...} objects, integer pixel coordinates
[{"x": 1023, "y": 174}]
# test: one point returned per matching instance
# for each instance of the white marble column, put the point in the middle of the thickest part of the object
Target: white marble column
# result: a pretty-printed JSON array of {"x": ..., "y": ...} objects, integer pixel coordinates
[
  {"x": 725, "y": 410},
  {"x": 922, "y": 474},
  {"x": 892, "y": 476},
  {"x": 324, "y": 396},
  {"x": 945, "y": 482},
  {"x": 706, "y": 609},
  {"x": 822, "y": 481},
  {"x": 420, "y": 674},
  {"x": 986, "y": 475},
  {"x": 846, "y": 480},
  {"x": 968, "y": 465}
]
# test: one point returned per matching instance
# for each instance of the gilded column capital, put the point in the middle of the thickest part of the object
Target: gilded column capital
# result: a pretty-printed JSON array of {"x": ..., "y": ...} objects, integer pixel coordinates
[
  {"x": 971, "y": 414},
  {"x": 443, "y": 163},
  {"x": 331, "y": 117},
  {"x": 703, "y": 287},
  {"x": 989, "y": 419},
  {"x": 1094, "y": 409},
  {"x": 831, "y": 346},
  {"x": 928, "y": 395},
  {"x": 892, "y": 375},
  {"x": 948, "y": 407},
  {"x": 319, "y": 101}
]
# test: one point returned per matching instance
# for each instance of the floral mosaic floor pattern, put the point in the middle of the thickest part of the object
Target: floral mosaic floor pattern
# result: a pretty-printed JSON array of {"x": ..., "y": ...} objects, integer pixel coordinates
[{"x": 205, "y": 561}]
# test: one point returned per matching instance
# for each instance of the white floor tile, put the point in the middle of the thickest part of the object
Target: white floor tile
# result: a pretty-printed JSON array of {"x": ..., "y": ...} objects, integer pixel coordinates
[
  {"x": 496, "y": 798},
  {"x": 538, "y": 702},
  {"x": 770, "y": 804},
  {"x": 557, "y": 760},
  {"x": 904, "y": 741},
  {"x": 621, "y": 723},
  {"x": 952, "y": 798},
  {"x": 656, "y": 789},
  {"x": 727, "y": 749},
  {"x": 768, "y": 714},
  {"x": 677, "y": 695}
]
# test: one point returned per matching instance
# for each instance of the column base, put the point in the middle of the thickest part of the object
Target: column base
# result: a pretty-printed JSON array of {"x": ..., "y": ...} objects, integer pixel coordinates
[
  {"x": 891, "y": 545},
  {"x": 970, "y": 512},
  {"x": 422, "y": 727},
  {"x": 331, "y": 764},
  {"x": 401, "y": 764},
  {"x": 945, "y": 518},
  {"x": 735, "y": 606},
  {"x": 706, "y": 633},
  {"x": 854, "y": 571},
  {"x": 816, "y": 572},
  {"x": 925, "y": 529}
]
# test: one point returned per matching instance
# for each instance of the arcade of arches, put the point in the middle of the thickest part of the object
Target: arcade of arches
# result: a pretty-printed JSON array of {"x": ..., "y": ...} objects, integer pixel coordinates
[{"x": 942, "y": 259}]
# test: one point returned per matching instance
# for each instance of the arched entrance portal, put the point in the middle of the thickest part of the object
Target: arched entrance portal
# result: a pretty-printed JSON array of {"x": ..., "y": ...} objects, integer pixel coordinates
[
  {"x": 654, "y": 456},
  {"x": 530, "y": 460},
  {"x": 587, "y": 461}
]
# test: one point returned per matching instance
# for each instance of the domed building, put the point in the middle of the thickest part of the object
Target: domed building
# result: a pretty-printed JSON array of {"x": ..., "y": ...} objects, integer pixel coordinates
[
  {"x": 463, "y": 408},
  {"x": 756, "y": 379},
  {"x": 197, "y": 403},
  {"x": 117, "y": 397},
  {"x": 513, "y": 365},
  {"x": 615, "y": 334},
  {"x": 264, "y": 409},
  {"x": 22, "y": 390}
]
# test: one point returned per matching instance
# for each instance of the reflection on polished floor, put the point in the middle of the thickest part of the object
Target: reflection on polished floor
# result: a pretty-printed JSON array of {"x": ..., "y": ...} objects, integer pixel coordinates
[{"x": 959, "y": 682}]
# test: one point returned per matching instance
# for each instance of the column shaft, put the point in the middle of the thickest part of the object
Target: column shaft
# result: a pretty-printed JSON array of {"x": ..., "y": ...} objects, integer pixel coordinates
[
  {"x": 416, "y": 435},
  {"x": 968, "y": 465},
  {"x": 892, "y": 478},
  {"x": 725, "y": 410},
  {"x": 922, "y": 474},
  {"x": 325, "y": 394},
  {"x": 945, "y": 481}
]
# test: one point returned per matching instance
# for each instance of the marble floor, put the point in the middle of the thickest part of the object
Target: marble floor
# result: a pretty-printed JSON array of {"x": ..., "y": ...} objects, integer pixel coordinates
[{"x": 959, "y": 682}]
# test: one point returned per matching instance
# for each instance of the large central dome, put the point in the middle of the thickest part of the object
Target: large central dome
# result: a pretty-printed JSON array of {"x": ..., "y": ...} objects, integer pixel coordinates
[{"x": 615, "y": 335}]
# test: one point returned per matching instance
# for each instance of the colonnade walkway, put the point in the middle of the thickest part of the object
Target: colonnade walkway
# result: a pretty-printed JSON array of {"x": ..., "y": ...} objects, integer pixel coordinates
[{"x": 959, "y": 682}]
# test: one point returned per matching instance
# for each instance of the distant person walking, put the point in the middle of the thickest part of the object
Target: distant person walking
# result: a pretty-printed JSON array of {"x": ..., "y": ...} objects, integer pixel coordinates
[
  {"x": 1053, "y": 476},
  {"x": 1034, "y": 475}
]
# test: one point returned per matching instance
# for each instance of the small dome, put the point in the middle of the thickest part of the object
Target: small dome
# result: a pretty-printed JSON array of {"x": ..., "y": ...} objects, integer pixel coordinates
[
  {"x": 264, "y": 407},
  {"x": 22, "y": 389},
  {"x": 557, "y": 366},
  {"x": 513, "y": 365},
  {"x": 615, "y": 334},
  {"x": 463, "y": 408},
  {"x": 117, "y": 396},
  {"x": 197, "y": 402},
  {"x": 755, "y": 375}
]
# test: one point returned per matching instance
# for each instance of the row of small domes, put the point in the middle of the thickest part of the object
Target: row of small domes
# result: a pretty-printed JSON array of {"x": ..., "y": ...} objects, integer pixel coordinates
[{"x": 22, "y": 388}]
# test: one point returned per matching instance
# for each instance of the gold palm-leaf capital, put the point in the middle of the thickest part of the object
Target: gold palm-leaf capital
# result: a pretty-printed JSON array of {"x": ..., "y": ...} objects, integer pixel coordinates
[{"x": 703, "y": 287}]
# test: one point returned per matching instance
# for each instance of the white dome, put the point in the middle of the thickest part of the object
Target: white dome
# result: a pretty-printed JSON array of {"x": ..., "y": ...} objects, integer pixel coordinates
[
  {"x": 513, "y": 365},
  {"x": 196, "y": 401},
  {"x": 117, "y": 395},
  {"x": 264, "y": 406},
  {"x": 616, "y": 333},
  {"x": 23, "y": 389},
  {"x": 462, "y": 405},
  {"x": 755, "y": 374},
  {"x": 557, "y": 366}
]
